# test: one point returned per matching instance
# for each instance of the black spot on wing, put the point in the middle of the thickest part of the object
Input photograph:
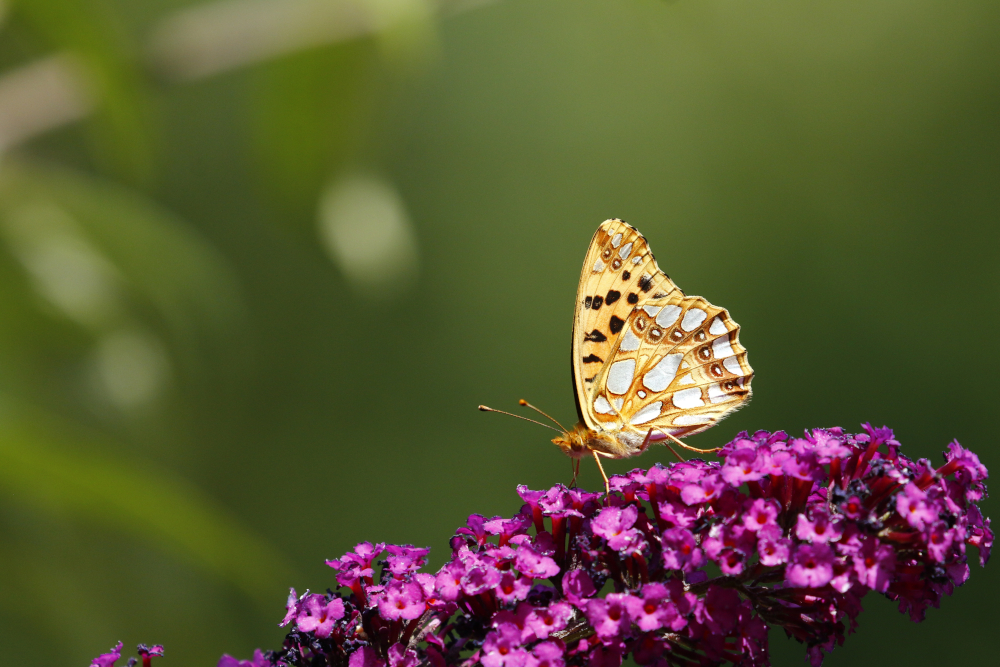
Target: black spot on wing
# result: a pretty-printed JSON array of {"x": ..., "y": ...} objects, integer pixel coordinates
[
  {"x": 626, "y": 275},
  {"x": 616, "y": 324},
  {"x": 586, "y": 302},
  {"x": 612, "y": 297},
  {"x": 595, "y": 336},
  {"x": 633, "y": 298},
  {"x": 598, "y": 302},
  {"x": 646, "y": 283},
  {"x": 592, "y": 359}
]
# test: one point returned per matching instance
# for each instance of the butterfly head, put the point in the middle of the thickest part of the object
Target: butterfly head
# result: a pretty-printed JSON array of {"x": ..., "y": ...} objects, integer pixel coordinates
[{"x": 574, "y": 442}]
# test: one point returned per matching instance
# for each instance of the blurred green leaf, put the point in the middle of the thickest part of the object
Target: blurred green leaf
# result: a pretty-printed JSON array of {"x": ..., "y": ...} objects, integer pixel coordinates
[
  {"x": 827, "y": 171},
  {"x": 91, "y": 30},
  {"x": 311, "y": 113},
  {"x": 165, "y": 265},
  {"x": 144, "y": 502}
]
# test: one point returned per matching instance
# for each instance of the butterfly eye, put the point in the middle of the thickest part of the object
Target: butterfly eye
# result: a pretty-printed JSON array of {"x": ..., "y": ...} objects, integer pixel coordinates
[
  {"x": 717, "y": 370},
  {"x": 700, "y": 336},
  {"x": 705, "y": 353},
  {"x": 676, "y": 336},
  {"x": 655, "y": 335},
  {"x": 616, "y": 264}
]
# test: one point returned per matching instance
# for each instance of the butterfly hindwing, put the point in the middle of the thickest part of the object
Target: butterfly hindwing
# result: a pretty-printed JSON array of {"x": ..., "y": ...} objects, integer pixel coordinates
[
  {"x": 660, "y": 360},
  {"x": 677, "y": 368}
]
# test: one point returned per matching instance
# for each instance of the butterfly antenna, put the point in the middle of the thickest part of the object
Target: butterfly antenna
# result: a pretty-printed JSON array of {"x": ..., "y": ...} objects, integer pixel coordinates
[
  {"x": 529, "y": 405},
  {"x": 483, "y": 408}
]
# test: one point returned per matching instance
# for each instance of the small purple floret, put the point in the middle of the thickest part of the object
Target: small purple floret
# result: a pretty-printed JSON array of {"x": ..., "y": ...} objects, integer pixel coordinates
[
  {"x": 685, "y": 564},
  {"x": 108, "y": 659},
  {"x": 146, "y": 655},
  {"x": 318, "y": 615}
]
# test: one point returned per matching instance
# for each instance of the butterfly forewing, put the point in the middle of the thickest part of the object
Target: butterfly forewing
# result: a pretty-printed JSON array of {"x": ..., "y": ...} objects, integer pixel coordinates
[
  {"x": 618, "y": 273},
  {"x": 653, "y": 357}
]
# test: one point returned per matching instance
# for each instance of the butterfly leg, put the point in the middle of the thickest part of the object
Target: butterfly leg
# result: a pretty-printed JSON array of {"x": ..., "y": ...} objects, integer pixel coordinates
[
  {"x": 574, "y": 465},
  {"x": 607, "y": 484},
  {"x": 645, "y": 441},
  {"x": 667, "y": 444},
  {"x": 690, "y": 448}
]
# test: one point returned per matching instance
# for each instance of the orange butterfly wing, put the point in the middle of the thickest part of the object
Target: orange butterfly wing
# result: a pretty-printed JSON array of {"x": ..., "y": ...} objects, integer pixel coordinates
[{"x": 645, "y": 356}]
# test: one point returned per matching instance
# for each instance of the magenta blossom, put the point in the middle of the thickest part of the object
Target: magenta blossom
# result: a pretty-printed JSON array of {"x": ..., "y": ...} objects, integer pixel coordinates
[
  {"x": 366, "y": 656},
  {"x": 615, "y": 525},
  {"x": 545, "y": 621},
  {"x": 259, "y": 660},
  {"x": 772, "y": 547},
  {"x": 811, "y": 566},
  {"x": 547, "y": 654},
  {"x": 108, "y": 659},
  {"x": 817, "y": 528},
  {"x": 761, "y": 513},
  {"x": 609, "y": 617},
  {"x": 502, "y": 648},
  {"x": 681, "y": 551},
  {"x": 146, "y": 655},
  {"x": 661, "y": 606},
  {"x": 912, "y": 504},
  {"x": 684, "y": 564},
  {"x": 318, "y": 615},
  {"x": 401, "y": 600}
]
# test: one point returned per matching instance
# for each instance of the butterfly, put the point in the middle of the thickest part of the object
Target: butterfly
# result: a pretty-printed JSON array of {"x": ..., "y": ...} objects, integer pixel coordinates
[{"x": 649, "y": 362}]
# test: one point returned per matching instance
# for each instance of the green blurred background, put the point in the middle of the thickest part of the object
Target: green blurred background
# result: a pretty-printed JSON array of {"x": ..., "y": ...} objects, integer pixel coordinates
[{"x": 261, "y": 259}]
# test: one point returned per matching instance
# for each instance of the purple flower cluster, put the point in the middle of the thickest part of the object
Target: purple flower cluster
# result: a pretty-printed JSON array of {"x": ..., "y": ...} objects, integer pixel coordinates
[
  {"x": 681, "y": 565},
  {"x": 146, "y": 654}
]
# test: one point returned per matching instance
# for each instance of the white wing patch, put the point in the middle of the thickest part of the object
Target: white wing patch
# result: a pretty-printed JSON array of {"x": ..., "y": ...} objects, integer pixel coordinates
[
  {"x": 685, "y": 399},
  {"x": 662, "y": 374},
  {"x": 630, "y": 342},
  {"x": 598, "y": 266},
  {"x": 602, "y": 406},
  {"x": 667, "y": 316},
  {"x": 625, "y": 251},
  {"x": 722, "y": 349},
  {"x": 693, "y": 319},
  {"x": 732, "y": 365},
  {"x": 691, "y": 420},
  {"x": 617, "y": 240},
  {"x": 620, "y": 376},
  {"x": 715, "y": 393},
  {"x": 648, "y": 413}
]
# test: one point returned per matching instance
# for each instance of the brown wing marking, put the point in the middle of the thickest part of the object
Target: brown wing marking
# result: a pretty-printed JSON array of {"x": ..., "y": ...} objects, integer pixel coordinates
[
  {"x": 678, "y": 367},
  {"x": 618, "y": 273}
]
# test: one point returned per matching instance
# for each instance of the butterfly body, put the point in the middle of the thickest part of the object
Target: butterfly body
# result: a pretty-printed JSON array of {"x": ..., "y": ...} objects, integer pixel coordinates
[
  {"x": 649, "y": 362},
  {"x": 582, "y": 441}
]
